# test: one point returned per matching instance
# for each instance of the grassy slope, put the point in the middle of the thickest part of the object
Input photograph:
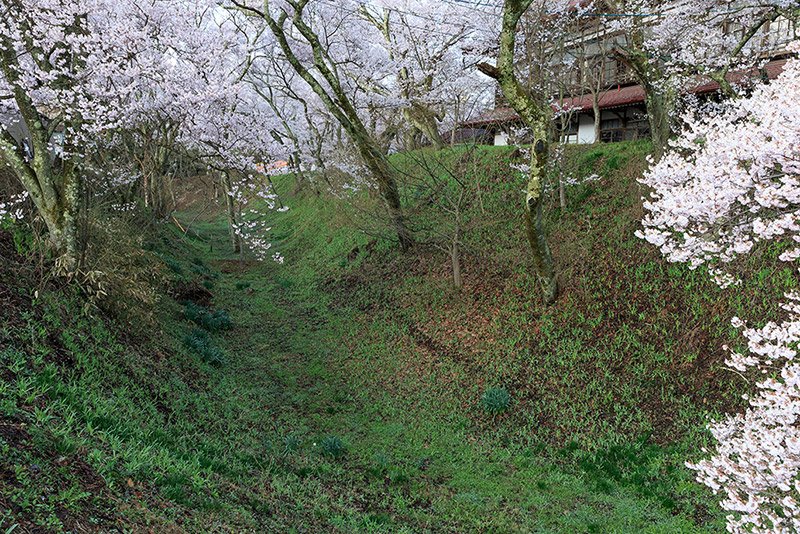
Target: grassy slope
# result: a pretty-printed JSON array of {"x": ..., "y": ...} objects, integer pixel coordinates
[{"x": 349, "y": 400}]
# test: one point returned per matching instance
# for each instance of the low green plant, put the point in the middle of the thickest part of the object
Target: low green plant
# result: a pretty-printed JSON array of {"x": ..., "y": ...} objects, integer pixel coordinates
[
  {"x": 333, "y": 446},
  {"x": 381, "y": 465},
  {"x": 198, "y": 266},
  {"x": 200, "y": 342},
  {"x": 242, "y": 285},
  {"x": 290, "y": 444},
  {"x": 496, "y": 400},
  {"x": 397, "y": 475},
  {"x": 213, "y": 321}
]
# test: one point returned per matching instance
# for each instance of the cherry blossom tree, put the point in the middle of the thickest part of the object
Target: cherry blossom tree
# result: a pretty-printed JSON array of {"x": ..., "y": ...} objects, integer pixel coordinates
[
  {"x": 57, "y": 63},
  {"x": 310, "y": 41},
  {"x": 431, "y": 47},
  {"x": 82, "y": 79},
  {"x": 732, "y": 180},
  {"x": 301, "y": 126}
]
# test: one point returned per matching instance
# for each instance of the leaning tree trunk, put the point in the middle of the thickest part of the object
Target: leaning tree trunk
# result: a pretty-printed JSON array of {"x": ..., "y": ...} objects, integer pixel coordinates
[
  {"x": 424, "y": 120},
  {"x": 337, "y": 100},
  {"x": 376, "y": 162},
  {"x": 58, "y": 196}
]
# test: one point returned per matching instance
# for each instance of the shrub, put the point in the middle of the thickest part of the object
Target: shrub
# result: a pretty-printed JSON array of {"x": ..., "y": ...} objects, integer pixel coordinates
[
  {"x": 205, "y": 318},
  {"x": 199, "y": 341},
  {"x": 242, "y": 285},
  {"x": 118, "y": 276},
  {"x": 496, "y": 400},
  {"x": 333, "y": 446}
]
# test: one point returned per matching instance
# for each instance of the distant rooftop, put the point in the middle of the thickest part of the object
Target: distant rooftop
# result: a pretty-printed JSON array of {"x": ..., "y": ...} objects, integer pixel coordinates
[{"x": 622, "y": 96}]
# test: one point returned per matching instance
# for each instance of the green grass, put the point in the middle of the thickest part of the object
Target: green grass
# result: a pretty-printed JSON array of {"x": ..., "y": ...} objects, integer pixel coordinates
[{"x": 361, "y": 392}]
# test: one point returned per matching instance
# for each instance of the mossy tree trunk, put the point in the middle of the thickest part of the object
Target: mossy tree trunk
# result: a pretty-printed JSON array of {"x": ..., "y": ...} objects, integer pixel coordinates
[
  {"x": 661, "y": 110},
  {"x": 538, "y": 117},
  {"x": 424, "y": 120},
  {"x": 661, "y": 96},
  {"x": 721, "y": 74},
  {"x": 661, "y": 92},
  {"x": 150, "y": 147},
  {"x": 57, "y": 192}
]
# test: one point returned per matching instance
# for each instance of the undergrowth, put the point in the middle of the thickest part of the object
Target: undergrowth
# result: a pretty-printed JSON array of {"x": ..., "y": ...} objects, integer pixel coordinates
[{"x": 361, "y": 391}]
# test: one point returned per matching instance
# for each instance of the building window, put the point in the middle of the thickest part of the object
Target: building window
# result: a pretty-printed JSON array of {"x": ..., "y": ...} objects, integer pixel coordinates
[
  {"x": 628, "y": 125},
  {"x": 615, "y": 73},
  {"x": 779, "y": 33}
]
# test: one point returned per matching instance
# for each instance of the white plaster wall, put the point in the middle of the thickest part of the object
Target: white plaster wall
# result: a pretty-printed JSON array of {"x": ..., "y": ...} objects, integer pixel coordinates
[
  {"x": 500, "y": 139},
  {"x": 585, "y": 129}
]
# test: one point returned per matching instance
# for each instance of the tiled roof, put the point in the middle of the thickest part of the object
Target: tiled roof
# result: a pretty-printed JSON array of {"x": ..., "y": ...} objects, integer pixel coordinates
[
  {"x": 493, "y": 116},
  {"x": 623, "y": 96},
  {"x": 772, "y": 69}
]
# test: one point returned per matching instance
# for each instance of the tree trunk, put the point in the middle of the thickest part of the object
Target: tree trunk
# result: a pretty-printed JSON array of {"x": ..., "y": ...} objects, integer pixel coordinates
[
  {"x": 597, "y": 117},
  {"x": 337, "y": 100},
  {"x": 454, "y": 131},
  {"x": 172, "y": 196},
  {"x": 378, "y": 165},
  {"x": 146, "y": 189},
  {"x": 230, "y": 205},
  {"x": 301, "y": 180},
  {"x": 60, "y": 214},
  {"x": 59, "y": 204},
  {"x": 161, "y": 185},
  {"x": 57, "y": 196},
  {"x": 562, "y": 193},
  {"x": 455, "y": 257},
  {"x": 61, "y": 219},
  {"x": 660, "y": 110},
  {"x": 660, "y": 96},
  {"x": 542, "y": 257},
  {"x": 424, "y": 120},
  {"x": 455, "y": 253}
]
